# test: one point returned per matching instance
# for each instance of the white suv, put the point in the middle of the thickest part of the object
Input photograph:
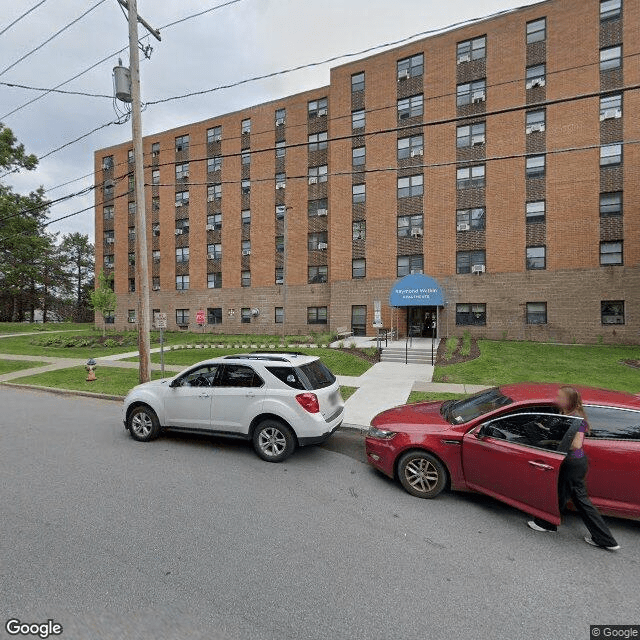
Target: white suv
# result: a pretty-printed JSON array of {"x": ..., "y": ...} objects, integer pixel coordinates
[{"x": 276, "y": 400}]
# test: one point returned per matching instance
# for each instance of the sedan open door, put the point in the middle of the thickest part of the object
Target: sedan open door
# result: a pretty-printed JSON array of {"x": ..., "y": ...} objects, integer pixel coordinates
[{"x": 515, "y": 460}]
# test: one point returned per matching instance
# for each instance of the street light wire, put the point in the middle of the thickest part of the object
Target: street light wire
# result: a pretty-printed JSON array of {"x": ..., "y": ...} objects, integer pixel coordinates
[{"x": 24, "y": 15}]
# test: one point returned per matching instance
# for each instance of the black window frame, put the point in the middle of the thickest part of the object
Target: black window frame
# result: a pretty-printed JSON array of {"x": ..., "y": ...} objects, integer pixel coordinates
[
  {"x": 605, "y": 305},
  {"x": 318, "y": 312},
  {"x": 536, "y": 317},
  {"x": 467, "y": 316},
  {"x": 214, "y": 315},
  {"x": 536, "y": 263}
]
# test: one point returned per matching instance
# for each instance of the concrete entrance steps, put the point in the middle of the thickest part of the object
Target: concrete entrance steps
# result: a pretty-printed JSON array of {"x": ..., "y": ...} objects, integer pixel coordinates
[{"x": 419, "y": 352}]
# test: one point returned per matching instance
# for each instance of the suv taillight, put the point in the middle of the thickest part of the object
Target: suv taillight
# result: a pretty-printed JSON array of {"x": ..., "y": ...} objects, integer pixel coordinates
[{"x": 309, "y": 402}]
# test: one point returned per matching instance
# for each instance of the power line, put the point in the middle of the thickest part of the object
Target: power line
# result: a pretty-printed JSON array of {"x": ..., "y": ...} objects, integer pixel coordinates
[
  {"x": 197, "y": 15},
  {"x": 24, "y": 15},
  {"x": 71, "y": 93},
  {"x": 55, "y": 35}
]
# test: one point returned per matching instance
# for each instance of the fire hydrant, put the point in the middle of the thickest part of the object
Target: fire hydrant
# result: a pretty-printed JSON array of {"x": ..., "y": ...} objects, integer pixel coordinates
[{"x": 91, "y": 368}]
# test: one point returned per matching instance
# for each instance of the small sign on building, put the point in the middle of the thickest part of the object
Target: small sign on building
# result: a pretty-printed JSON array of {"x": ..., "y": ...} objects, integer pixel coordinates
[{"x": 200, "y": 319}]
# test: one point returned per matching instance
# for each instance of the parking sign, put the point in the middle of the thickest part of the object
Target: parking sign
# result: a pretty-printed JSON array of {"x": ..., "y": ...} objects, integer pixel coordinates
[{"x": 160, "y": 320}]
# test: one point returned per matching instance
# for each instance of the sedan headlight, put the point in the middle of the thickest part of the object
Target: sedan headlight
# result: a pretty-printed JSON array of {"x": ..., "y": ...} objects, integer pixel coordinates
[{"x": 381, "y": 434}]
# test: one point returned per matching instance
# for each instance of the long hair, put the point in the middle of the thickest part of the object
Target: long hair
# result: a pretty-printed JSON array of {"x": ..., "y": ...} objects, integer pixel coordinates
[{"x": 575, "y": 403}]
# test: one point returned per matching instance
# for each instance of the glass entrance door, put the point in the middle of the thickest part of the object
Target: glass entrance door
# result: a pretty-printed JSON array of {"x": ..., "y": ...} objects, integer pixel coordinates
[{"x": 421, "y": 322}]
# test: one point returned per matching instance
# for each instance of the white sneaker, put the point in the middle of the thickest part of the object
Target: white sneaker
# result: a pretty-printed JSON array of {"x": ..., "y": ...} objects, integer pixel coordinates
[
  {"x": 589, "y": 540},
  {"x": 537, "y": 527}
]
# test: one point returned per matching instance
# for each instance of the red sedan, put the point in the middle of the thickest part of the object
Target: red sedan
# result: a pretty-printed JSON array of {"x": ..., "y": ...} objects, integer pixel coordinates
[{"x": 503, "y": 442}]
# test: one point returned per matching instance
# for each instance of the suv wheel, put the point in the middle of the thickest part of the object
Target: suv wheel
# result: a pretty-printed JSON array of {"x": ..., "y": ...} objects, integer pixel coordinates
[
  {"x": 422, "y": 474},
  {"x": 143, "y": 424},
  {"x": 273, "y": 441}
]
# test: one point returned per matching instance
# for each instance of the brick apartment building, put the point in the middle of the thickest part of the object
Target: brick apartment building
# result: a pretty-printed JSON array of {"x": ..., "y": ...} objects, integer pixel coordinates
[{"x": 499, "y": 159}]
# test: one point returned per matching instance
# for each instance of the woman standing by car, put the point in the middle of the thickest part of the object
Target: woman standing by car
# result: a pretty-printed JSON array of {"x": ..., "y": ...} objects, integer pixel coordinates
[{"x": 572, "y": 474}]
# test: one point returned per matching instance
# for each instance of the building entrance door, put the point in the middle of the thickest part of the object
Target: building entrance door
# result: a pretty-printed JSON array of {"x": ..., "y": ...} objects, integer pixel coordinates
[{"x": 422, "y": 322}]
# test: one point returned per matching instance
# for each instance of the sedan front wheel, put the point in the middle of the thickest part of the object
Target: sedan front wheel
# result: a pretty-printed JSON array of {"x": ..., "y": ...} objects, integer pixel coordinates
[{"x": 422, "y": 474}]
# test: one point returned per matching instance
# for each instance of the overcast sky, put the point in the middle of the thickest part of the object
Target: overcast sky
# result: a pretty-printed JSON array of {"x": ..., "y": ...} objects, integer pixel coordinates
[{"x": 252, "y": 37}]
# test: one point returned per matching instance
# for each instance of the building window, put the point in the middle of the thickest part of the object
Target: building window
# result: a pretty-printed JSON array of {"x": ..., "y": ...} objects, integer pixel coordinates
[
  {"x": 155, "y": 229},
  {"x": 610, "y": 9},
  {"x": 358, "y": 193},
  {"x": 245, "y": 246},
  {"x": 132, "y": 285},
  {"x": 318, "y": 108},
  {"x": 318, "y": 141},
  {"x": 132, "y": 183},
  {"x": 317, "y": 241},
  {"x": 214, "y": 134},
  {"x": 182, "y": 198},
  {"x": 410, "y": 264},
  {"x": 279, "y": 275},
  {"x": 535, "y": 211},
  {"x": 131, "y": 315},
  {"x": 471, "y": 314},
  {"x": 214, "y": 251},
  {"x": 108, "y": 260},
  {"x": 155, "y": 283},
  {"x": 155, "y": 150},
  {"x": 411, "y": 107},
  {"x": 245, "y": 216},
  {"x": 155, "y": 203},
  {"x": 610, "y": 58},
  {"x": 214, "y": 222},
  {"x": 109, "y": 237},
  {"x": 155, "y": 255},
  {"x": 470, "y": 219},
  {"x": 182, "y": 317},
  {"x": 410, "y": 226},
  {"x": 317, "y": 207},
  {"x": 360, "y": 230},
  {"x": 358, "y": 156},
  {"x": 410, "y": 147},
  {"x": 132, "y": 259},
  {"x": 245, "y": 315},
  {"x": 610, "y": 107},
  {"x": 107, "y": 213},
  {"x": 182, "y": 171},
  {"x": 107, "y": 163},
  {"x": 279, "y": 244},
  {"x": 469, "y": 50},
  {"x": 411, "y": 186},
  {"x": 214, "y": 315},
  {"x": 535, "y": 121},
  {"x": 536, "y": 313},
  {"x": 245, "y": 279},
  {"x": 411, "y": 67},
  {"x": 281, "y": 117},
  {"x": 536, "y": 258},
  {"x": 214, "y": 280},
  {"x": 281, "y": 209},
  {"x": 318, "y": 174},
  {"x": 281, "y": 181},
  {"x": 130, "y": 156},
  {"x": 470, "y": 135},
  {"x": 182, "y": 254},
  {"x": 537, "y": 30},
  {"x": 182, "y": 283},
  {"x": 245, "y": 126},
  {"x": 358, "y": 119},
  {"x": 182, "y": 143},
  {"x": 359, "y": 320},
  {"x": 109, "y": 317},
  {"x": 612, "y": 311},
  {"x": 318, "y": 274},
  {"x": 182, "y": 226},
  {"x": 214, "y": 192},
  {"x": 155, "y": 176},
  {"x": 214, "y": 164},
  {"x": 279, "y": 315},
  {"x": 611, "y": 253},
  {"x": 470, "y": 177},
  {"x": 471, "y": 92},
  {"x": 470, "y": 262},
  {"x": 132, "y": 208},
  {"x": 281, "y": 149},
  {"x": 317, "y": 315},
  {"x": 358, "y": 268},
  {"x": 535, "y": 167},
  {"x": 357, "y": 81},
  {"x": 535, "y": 76},
  {"x": 245, "y": 158},
  {"x": 611, "y": 155},
  {"x": 611, "y": 204}
]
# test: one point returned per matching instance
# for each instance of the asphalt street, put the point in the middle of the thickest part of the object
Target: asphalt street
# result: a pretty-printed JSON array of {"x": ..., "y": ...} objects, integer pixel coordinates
[{"x": 194, "y": 537}]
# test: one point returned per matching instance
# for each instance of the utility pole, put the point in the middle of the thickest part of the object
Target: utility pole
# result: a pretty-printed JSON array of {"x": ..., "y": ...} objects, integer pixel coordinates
[{"x": 142, "y": 255}]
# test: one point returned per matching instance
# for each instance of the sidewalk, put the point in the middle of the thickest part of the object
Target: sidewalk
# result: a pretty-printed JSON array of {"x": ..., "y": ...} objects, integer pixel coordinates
[{"x": 39, "y": 333}]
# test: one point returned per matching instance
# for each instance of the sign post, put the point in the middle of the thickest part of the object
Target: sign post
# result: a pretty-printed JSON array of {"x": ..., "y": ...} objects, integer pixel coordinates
[
  {"x": 377, "y": 321},
  {"x": 160, "y": 320}
]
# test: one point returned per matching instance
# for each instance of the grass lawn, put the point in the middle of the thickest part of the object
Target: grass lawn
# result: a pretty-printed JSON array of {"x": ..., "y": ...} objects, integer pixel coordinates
[
  {"x": 7, "y": 366},
  {"x": 28, "y": 327},
  {"x": 115, "y": 381},
  {"x": 347, "y": 392},
  {"x": 430, "y": 396},
  {"x": 340, "y": 362},
  {"x": 502, "y": 362}
]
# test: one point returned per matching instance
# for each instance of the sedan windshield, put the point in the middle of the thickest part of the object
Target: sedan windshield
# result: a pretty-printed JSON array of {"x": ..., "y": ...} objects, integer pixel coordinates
[{"x": 473, "y": 407}]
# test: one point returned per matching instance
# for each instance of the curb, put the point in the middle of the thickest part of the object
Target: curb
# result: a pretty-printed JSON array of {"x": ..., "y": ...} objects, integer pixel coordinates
[{"x": 64, "y": 392}]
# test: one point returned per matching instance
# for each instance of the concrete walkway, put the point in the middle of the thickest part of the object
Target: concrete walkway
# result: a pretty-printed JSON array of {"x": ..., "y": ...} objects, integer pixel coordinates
[
  {"x": 445, "y": 387},
  {"x": 39, "y": 333}
]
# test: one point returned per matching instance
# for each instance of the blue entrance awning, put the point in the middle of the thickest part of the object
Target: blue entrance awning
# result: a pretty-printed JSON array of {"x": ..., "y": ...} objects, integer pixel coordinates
[{"x": 416, "y": 290}]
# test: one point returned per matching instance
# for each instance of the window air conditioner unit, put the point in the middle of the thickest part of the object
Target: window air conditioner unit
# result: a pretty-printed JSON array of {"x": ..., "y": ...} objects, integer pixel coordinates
[
  {"x": 610, "y": 114},
  {"x": 403, "y": 75},
  {"x": 217, "y": 138},
  {"x": 416, "y": 233},
  {"x": 185, "y": 175},
  {"x": 211, "y": 256},
  {"x": 322, "y": 212},
  {"x": 478, "y": 268},
  {"x": 280, "y": 185},
  {"x": 480, "y": 97},
  {"x": 465, "y": 57},
  {"x": 536, "y": 82},
  {"x": 279, "y": 122},
  {"x": 156, "y": 259},
  {"x": 132, "y": 320},
  {"x": 210, "y": 227},
  {"x": 322, "y": 112},
  {"x": 414, "y": 271},
  {"x": 108, "y": 184},
  {"x": 178, "y": 232},
  {"x": 313, "y": 180},
  {"x": 477, "y": 140},
  {"x": 156, "y": 287},
  {"x": 280, "y": 281},
  {"x": 246, "y": 252},
  {"x": 536, "y": 128},
  {"x": 110, "y": 240},
  {"x": 322, "y": 246},
  {"x": 211, "y": 198},
  {"x": 417, "y": 152},
  {"x": 179, "y": 203},
  {"x": 463, "y": 226}
]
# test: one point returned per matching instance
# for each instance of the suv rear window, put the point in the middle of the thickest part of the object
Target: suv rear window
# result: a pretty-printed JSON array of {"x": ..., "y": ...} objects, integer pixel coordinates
[
  {"x": 288, "y": 375},
  {"x": 316, "y": 375}
]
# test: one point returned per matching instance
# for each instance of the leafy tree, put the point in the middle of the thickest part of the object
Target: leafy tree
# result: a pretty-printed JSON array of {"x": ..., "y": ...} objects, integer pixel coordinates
[
  {"x": 78, "y": 254},
  {"x": 12, "y": 155},
  {"x": 103, "y": 298}
]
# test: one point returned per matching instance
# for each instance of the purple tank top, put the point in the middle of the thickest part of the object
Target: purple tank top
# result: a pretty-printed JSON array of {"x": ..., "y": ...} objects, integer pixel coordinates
[{"x": 579, "y": 453}]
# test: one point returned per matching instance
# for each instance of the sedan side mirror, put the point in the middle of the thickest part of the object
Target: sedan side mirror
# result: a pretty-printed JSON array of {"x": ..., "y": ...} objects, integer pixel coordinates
[{"x": 482, "y": 431}]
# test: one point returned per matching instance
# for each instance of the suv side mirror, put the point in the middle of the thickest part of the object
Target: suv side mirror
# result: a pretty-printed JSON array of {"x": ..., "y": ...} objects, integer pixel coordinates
[{"x": 175, "y": 382}]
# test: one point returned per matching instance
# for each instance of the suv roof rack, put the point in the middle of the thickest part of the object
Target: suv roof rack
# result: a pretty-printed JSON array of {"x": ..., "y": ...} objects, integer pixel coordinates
[
  {"x": 256, "y": 356},
  {"x": 288, "y": 353}
]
